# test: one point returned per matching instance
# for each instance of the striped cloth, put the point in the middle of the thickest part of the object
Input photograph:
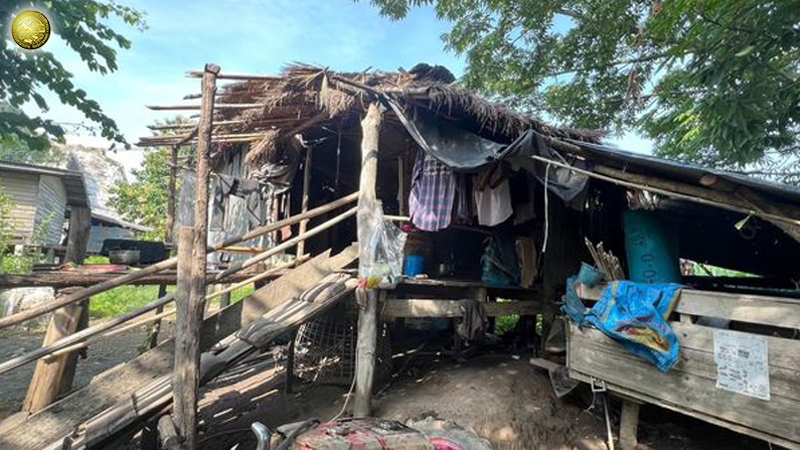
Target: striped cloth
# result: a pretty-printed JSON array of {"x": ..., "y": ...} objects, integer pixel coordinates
[{"x": 433, "y": 189}]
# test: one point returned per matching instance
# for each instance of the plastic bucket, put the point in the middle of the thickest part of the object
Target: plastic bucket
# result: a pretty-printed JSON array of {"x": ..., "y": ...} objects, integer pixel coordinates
[
  {"x": 415, "y": 265},
  {"x": 651, "y": 247}
]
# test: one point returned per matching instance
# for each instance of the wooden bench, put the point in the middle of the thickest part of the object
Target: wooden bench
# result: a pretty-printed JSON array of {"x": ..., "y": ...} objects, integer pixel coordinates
[{"x": 691, "y": 386}]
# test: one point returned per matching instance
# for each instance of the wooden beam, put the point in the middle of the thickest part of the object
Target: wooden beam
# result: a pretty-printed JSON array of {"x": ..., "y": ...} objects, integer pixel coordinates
[
  {"x": 395, "y": 308},
  {"x": 85, "y": 334},
  {"x": 367, "y": 298},
  {"x": 301, "y": 246},
  {"x": 218, "y": 123},
  {"x": 199, "y": 107},
  {"x": 235, "y": 76},
  {"x": 758, "y": 309},
  {"x": 235, "y": 267},
  {"x": 120, "y": 382},
  {"x": 160, "y": 313},
  {"x": 171, "y": 263},
  {"x": 186, "y": 376},
  {"x": 629, "y": 425},
  {"x": 168, "y": 434},
  {"x": 80, "y": 224},
  {"x": 62, "y": 279},
  {"x": 80, "y": 336},
  {"x": 685, "y": 191},
  {"x": 47, "y": 379}
]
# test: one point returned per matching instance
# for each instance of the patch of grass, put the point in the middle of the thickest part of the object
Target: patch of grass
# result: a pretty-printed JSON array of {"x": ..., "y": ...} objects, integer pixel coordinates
[
  {"x": 125, "y": 299},
  {"x": 241, "y": 293},
  {"x": 122, "y": 300},
  {"x": 504, "y": 324}
]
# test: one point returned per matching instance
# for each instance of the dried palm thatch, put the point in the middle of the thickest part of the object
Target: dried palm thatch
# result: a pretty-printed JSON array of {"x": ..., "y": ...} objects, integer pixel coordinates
[
  {"x": 305, "y": 96},
  {"x": 263, "y": 149}
]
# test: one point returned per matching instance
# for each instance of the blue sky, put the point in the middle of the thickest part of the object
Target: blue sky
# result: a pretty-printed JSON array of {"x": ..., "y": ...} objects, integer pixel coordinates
[{"x": 252, "y": 36}]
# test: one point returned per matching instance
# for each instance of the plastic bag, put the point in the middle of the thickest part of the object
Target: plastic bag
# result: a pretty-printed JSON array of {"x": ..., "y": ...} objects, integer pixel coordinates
[{"x": 380, "y": 264}]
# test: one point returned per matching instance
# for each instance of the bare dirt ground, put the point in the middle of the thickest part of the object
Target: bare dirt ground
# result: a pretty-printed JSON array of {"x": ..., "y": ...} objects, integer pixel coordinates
[
  {"x": 101, "y": 355},
  {"x": 505, "y": 400}
]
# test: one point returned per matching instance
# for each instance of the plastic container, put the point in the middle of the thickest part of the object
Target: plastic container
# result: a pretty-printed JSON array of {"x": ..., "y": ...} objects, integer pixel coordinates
[
  {"x": 651, "y": 247},
  {"x": 415, "y": 265}
]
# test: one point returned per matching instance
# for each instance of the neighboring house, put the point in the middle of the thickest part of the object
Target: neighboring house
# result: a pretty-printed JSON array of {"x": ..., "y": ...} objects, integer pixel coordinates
[
  {"x": 107, "y": 225},
  {"x": 41, "y": 196}
]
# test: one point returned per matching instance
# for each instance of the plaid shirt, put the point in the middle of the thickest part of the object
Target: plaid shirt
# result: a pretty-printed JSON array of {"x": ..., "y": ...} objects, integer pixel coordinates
[{"x": 433, "y": 189}]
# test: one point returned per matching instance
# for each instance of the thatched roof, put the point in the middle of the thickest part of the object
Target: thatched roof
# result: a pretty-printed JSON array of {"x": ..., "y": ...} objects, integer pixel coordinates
[{"x": 304, "y": 95}]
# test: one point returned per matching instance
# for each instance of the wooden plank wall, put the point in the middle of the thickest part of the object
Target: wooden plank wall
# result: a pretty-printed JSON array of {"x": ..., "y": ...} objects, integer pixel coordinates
[
  {"x": 690, "y": 387},
  {"x": 50, "y": 208},
  {"x": 23, "y": 189}
]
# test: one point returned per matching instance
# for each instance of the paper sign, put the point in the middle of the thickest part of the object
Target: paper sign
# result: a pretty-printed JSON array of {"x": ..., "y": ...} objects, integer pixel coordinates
[{"x": 742, "y": 363}]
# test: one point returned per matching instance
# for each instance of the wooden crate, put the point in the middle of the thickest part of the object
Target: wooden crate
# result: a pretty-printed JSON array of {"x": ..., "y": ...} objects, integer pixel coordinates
[{"x": 690, "y": 387}]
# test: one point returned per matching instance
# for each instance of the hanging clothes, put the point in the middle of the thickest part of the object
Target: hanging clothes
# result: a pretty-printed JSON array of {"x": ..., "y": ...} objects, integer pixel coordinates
[
  {"x": 463, "y": 213},
  {"x": 493, "y": 196},
  {"x": 433, "y": 189}
]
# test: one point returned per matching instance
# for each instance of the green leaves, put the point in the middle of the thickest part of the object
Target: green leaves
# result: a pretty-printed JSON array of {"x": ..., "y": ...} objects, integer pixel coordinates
[
  {"x": 710, "y": 81},
  {"x": 23, "y": 76}
]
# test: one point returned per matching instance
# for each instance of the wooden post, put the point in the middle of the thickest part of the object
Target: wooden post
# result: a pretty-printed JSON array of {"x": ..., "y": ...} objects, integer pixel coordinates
[
  {"x": 365, "y": 350},
  {"x": 401, "y": 185},
  {"x": 186, "y": 374},
  {"x": 54, "y": 377},
  {"x": 629, "y": 425},
  {"x": 48, "y": 377},
  {"x": 224, "y": 299},
  {"x": 301, "y": 246},
  {"x": 367, "y": 298},
  {"x": 80, "y": 222},
  {"x": 80, "y": 225},
  {"x": 162, "y": 289},
  {"x": 187, "y": 349}
]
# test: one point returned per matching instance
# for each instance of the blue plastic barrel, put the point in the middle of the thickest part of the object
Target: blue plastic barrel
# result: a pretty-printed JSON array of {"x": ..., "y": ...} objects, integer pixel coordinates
[
  {"x": 415, "y": 265},
  {"x": 652, "y": 248}
]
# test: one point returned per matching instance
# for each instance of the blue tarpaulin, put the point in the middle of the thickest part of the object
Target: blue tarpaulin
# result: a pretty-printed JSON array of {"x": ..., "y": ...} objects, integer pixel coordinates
[{"x": 635, "y": 315}]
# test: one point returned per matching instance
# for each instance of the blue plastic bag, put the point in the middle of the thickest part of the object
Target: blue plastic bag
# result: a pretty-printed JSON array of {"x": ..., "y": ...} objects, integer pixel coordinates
[{"x": 635, "y": 315}]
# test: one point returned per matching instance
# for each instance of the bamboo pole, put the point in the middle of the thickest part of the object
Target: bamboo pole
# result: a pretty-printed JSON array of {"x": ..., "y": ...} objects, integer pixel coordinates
[
  {"x": 80, "y": 336},
  {"x": 171, "y": 263},
  {"x": 198, "y": 107},
  {"x": 97, "y": 329},
  {"x": 160, "y": 314},
  {"x": 234, "y": 76},
  {"x": 670, "y": 193},
  {"x": 285, "y": 245},
  {"x": 218, "y": 123}
]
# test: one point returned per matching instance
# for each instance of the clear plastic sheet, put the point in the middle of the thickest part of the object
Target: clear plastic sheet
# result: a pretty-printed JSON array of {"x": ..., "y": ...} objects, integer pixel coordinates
[{"x": 380, "y": 265}]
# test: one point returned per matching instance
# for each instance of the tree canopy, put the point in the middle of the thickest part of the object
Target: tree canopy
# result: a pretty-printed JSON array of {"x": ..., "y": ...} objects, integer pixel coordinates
[
  {"x": 24, "y": 75},
  {"x": 709, "y": 81}
]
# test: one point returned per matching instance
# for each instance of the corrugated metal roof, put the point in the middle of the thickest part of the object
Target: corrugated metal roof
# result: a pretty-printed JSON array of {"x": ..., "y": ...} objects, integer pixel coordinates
[{"x": 687, "y": 172}]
